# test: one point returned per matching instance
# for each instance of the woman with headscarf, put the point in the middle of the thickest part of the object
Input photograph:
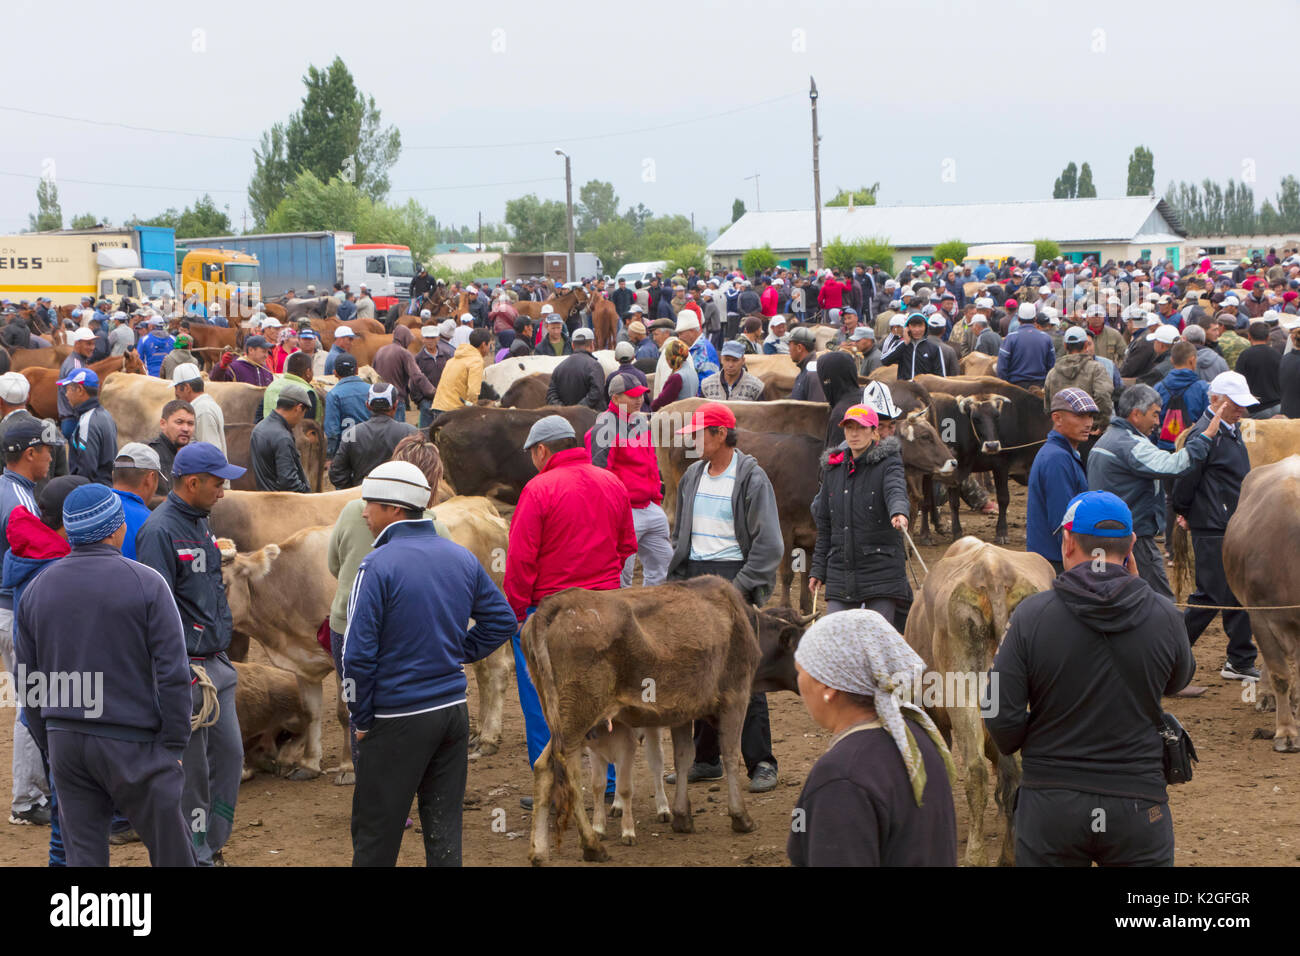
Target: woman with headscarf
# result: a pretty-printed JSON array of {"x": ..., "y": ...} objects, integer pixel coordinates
[
  {"x": 287, "y": 345},
  {"x": 881, "y": 795},
  {"x": 839, "y": 374},
  {"x": 675, "y": 376},
  {"x": 859, "y": 511}
]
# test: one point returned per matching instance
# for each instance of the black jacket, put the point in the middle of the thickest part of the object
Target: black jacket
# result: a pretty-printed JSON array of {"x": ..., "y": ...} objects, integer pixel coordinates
[
  {"x": 277, "y": 466},
  {"x": 859, "y": 555},
  {"x": 166, "y": 453},
  {"x": 177, "y": 543},
  {"x": 16, "y": 335},
  {"x": 1289, "y": 384},
  {"x": 622, "y": 299},
  {"x": 1207, "y": 493},
  {"x": 578, "y": 380},
  {"x": 1261, "y": 364},
  {"x": 364, "y": 446},
  {"x": 928, "y": 360},
  {"x": 93, "y": 445},
  {"x": 1139, "y": 358},
  {"x": 420, "y": 285},
  {"x": 1060, "y": 701}
]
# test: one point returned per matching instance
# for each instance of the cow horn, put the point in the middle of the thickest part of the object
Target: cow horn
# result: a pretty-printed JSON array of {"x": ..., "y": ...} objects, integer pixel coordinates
[{"x": 806, "y": 619}]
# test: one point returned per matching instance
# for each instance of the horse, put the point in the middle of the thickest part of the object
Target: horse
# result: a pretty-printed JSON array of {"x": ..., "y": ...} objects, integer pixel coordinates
[{"x": 44, "y": 400}]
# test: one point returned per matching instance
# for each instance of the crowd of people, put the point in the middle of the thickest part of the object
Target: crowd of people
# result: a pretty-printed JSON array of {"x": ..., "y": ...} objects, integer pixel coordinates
[{"x": 1129, "y": 357}]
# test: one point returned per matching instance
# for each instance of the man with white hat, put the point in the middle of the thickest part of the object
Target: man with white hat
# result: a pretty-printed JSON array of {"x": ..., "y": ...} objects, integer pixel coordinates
[
  {"x": 1204, "y": 499},
  {"x": 983, "y": 339},
  {"x": 83, "y": 344},
  {"x": 209, "y": 420},
  {"x": 344, "y": 338},
  {"x": 579, "y": 379},
  {"x": 403, "y": 659},
  {"x": 776, "y": 342},
  {"x": 362, "y": 447},
  {"x": 1028, "y": 353},
  {"x": 365, "y": 305},
  {"x": 896, "y": 335},
  {"x": 464, "y": 326},
  {"x": 555, "y": 340},
  {"x": 703, "y": 355},
  {"x": 1162, "y": 337},
  {"x": 432, "y": 359}
]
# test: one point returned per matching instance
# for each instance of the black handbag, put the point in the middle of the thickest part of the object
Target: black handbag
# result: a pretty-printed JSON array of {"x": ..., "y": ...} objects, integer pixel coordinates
[{"x": 1179, "y": 752}]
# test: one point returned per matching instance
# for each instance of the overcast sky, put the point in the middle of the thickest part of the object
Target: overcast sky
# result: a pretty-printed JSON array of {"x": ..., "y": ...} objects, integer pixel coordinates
[{"x": 675, "y": 103}]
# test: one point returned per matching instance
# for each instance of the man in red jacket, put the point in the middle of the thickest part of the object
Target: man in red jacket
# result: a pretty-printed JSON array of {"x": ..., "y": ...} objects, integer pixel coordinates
[
  {"x": 832, "y": 294},
  {"x": 572, "y": 528}
]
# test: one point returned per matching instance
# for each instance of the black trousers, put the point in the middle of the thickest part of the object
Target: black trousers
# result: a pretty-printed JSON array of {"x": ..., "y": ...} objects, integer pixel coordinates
[
  {"x": 1071, "y": 828},
  {"x": 426, "y": 755},
  {"x": 92, "y": 775},
  {"x": 756, "y": 734},
  {"x": 1212, "y": 588}
]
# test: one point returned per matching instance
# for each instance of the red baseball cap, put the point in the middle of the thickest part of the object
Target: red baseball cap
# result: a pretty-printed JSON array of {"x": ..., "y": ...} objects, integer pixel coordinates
[
  {"x": 862, "y": 415},
  {"x": 710, "y": 415},
  {"x": 1011, "y": 303}
]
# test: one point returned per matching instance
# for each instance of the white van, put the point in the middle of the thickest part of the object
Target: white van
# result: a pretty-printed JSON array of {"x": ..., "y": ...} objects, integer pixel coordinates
[{"x": 639, "y": 271}]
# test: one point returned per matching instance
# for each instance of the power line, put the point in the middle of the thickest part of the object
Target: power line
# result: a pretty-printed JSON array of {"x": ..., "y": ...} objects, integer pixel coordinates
[
  {"x": 137, "y": 129},
  {"x": 513, "y": 182}
]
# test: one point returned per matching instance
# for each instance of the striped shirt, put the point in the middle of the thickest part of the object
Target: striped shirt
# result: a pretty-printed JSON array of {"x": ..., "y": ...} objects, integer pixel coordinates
[{"x": 713, "y": 524}]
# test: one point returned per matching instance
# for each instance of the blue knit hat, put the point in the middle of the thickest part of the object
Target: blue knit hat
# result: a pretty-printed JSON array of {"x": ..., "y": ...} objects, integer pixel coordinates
[{"x": 91, "y": 513}]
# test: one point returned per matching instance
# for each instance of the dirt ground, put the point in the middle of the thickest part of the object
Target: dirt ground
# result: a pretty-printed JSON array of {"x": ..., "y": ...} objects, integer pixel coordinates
[{"x": 1238, "y": 810}]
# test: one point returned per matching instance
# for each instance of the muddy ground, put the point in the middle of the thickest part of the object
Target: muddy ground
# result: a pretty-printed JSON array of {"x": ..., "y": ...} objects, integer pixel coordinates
[{"x": 1239, "y": 809}]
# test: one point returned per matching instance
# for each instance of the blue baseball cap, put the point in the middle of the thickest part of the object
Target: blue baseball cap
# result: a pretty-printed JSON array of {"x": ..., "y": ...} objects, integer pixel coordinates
[
  {"x": 82, "y": 376},
  {"x": 204, "y": 458},
  {"x": 1088, "y": 510}
]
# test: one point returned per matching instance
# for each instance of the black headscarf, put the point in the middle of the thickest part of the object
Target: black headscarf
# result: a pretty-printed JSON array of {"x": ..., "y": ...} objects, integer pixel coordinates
[{"x": 839, "y": 375}]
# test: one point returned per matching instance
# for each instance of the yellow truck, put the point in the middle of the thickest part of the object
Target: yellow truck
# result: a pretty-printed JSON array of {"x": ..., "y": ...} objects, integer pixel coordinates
[
  {"x": 227, "y": 276},
  {"x": 132, "y": 262}
]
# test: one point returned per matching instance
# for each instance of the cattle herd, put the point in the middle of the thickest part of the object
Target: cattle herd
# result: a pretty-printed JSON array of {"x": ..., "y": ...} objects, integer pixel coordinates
[{"x": 707, "y": 648}]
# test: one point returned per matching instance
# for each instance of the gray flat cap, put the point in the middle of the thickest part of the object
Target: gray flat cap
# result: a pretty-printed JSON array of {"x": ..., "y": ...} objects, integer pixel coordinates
[
  {"x": 295, "y": 392},
  {"x": 550, "y": 428}
]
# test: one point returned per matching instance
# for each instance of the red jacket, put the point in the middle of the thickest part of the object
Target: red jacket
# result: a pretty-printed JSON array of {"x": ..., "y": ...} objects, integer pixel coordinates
[
  {"x": 29, "y": 537},
  {"x": 572, "y": 528},
  {"x": 770, "y": 299},
  {"x": 628, "y": 453},
  {"x": 831, "y": 295}
]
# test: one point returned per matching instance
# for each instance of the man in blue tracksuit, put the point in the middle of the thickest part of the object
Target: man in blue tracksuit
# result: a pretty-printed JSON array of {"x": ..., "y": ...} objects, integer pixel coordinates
[
  {"x": 121, "y": 742},
  {"x": 1057, "y": 474},
  {"x": 345, "y": 403},
  {"x": 177, "y": 543},
  {"x": 404, "y": 653},
  {"x": 1028, "y": 354}
]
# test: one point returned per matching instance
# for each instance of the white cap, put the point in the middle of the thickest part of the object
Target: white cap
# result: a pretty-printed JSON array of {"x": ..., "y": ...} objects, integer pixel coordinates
[
  {"x": 344, "y": 332},
  {"x": 14, "y": 388},
  {"x": 466, "y": 318},
  {"x": 429, "y": 331},
  {"x": 1026, "y": 310},
  {"x": 448, "y": 328},
  {"x": 426, "y": 314},
  {"x": 216, "y": 307},
  {"x": 362, "y": 286},
  {"x": 1166, "y": 334},
  {"x": 471, "y": 289},
  {"x": 687, "y": 321},
  {"x": 270, "y": 322},
  {"x": 186, "y": 372},
  {"x": 937, "y": 321},
  {"x": 548, "y": 309},
  {"x": 1230, "y": 300},
  {"x": 1232, "y": 385},
  {"x": 877, "y": 395},
  {"x": 118, "y": 316},
  {"x": 977, "y": 317},
  {"x": 776, "y": 320},
  {"x": 583, "y": 335},
  {"x": 397, "y": 483},
  {"x": 983, "y": 302},
  {"x": 897, "y": 319},
  {"x": 83, "y": 335}
]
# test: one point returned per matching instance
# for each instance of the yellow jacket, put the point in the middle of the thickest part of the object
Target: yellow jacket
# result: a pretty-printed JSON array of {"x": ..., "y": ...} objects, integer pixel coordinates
[{"x": 461, "y": 379}]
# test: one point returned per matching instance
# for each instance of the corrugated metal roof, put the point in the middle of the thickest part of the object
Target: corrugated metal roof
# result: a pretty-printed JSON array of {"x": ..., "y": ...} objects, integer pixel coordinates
[{"x": 1063, "y": 220}]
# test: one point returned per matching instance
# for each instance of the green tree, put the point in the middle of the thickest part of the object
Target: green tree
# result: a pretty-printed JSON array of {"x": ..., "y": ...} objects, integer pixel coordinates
[
  {"x": 1045, "y": 249},
  {"x": 861, "y": 197},
  {"x": 1067, "y": 183},
  {"x": 737, "y": 209},
  {"x": 598, "y": 205},
  {"x": 684, "y": 257},
  {"x": 203, "y": 219},
  {"x": 659, "y": 234},
  {"x": 953, "y": 249},
  {"x": 1141, "y": 173},
  {"x": 311, "y": 206},
  {"x": 1269, "y": 221},
  {"x": 1086, "y": 189},
  {"x": 538, "y": 226},
  {"x": 48, "y": 215},
  {"x": 756, "y": 260},
  {"x": 876, "y": 252},
  {"x": 337, "y": 131},
  {"x": 637, "y": 217},
  {"x": 87, "y": 220},
  {"x": 1288, "y": 203},
  {"x": 616, "y": 242}
]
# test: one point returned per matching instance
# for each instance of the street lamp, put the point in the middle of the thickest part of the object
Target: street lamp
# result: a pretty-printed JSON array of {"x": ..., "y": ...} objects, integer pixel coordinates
[
  {"x": 817, "y": 176},
  {"x": 568, "y": 206}
]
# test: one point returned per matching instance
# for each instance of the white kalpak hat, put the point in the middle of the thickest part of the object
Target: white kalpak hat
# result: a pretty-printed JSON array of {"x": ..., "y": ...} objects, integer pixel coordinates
[{"x": 397, "y": 483}]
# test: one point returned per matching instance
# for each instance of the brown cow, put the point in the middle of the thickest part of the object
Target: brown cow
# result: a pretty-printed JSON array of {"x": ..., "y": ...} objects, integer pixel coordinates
[
  {"x": 955, "y": 625},
  {"x": 977, "y": 364},
  {"x": 269, "y": 706},
  {"x": 1270, "y": 439},
  {"x": 136, "y": 403},
  {"x": 591, "y": 653},
  {"x": 308, "y": 435},
  {"x": 527, "y": 392},
  {"x": 777, "y": 372},
  {"x": 1267, "y": 523},
  {"x": 482, "y": 447},
  {"x": 43, "y": 401},
  {"x": 209, "y": 341},
  {"x": 53, "y": 357},
  {"x": 253, "y": 519}
]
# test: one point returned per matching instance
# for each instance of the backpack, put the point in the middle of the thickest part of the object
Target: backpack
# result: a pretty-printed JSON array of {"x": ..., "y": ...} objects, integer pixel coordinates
[{"x": 1174, "y": 420}]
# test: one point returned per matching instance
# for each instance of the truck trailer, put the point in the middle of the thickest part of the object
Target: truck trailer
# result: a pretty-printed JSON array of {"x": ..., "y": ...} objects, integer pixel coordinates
[
  {"x": 136, "y": 262},
  {"x": 552, "y": 265}
]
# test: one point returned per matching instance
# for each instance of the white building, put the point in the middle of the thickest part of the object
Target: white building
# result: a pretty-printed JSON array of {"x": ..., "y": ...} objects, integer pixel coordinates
[{"x": 1127, "y": 228}]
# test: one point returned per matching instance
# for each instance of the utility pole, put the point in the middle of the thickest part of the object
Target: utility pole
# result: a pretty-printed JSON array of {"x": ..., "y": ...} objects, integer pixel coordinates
[
  {"x": 568, "y": 205},
  {"x": 758, "y": 205},
  {"x": 480, "y": 231},
  {"x": 817, "y": 175}
]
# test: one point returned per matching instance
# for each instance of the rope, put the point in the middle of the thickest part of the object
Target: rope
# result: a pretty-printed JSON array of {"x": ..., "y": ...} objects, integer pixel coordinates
[
  {"x": 1238, "y": 607},
  {"x": 979, "y": 438},
  {"x": 917, "y": 552},
  {"x": 210, "y": 710}
]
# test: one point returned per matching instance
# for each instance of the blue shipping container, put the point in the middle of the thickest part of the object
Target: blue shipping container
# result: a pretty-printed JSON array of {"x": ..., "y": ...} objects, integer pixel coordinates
[
  {"x": 157, "y": 248},
  {"x": 286, "y": 261}
]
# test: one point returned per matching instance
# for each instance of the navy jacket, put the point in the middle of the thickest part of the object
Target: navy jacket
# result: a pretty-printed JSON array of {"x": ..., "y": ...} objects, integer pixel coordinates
[
  {"x": 1207, "y": 493},
  {"x": 1027, "y": 355},
  {"x": 177, "y": 543},
  {"x": 94, "y": 443},
  {"x": 407, "y": 643},
  {"x": 15, "y": 490},
  {"x": 132, "y": 643},
  {"x": 1056, "y": 476}
]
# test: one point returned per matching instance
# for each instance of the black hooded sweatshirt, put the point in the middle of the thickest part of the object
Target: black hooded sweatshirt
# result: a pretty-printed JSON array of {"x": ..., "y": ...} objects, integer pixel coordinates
[
  {"x": 1059, "y": 699},
  {"x": 839, "y": 375}
]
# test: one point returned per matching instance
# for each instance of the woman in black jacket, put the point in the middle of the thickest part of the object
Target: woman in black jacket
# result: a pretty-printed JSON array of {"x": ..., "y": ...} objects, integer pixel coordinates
[{"x": 860, "y": 510}]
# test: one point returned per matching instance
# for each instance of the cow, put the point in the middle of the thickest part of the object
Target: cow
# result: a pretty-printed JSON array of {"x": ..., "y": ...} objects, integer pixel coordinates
[
  {"x": 325, "y": 328},
  {"x": 308, "y": 435},
  {"x": 482, "y": 447},
  {"x": 955, "y": 625},
  {"x": 991, "y": 426},
  {"x": 281, "y": 594},
  {"x": 501, "y": 375},
  {"x": 325, "y": 306},
  {"x": 591, "y": 654},
  {"x": 777, "y": 372},
  {"x": 209, "y": 341},
  {"x": 269, "y": 706},
  {"x": 253, "y": 519},
  {"x": 136, "y": 403},
  {"x": 527, "y": 392},
  {"x": 43, "y": 399},
  {"x": 20, "y": 359},
  {"x": 1264, "y": 528},
  {"x": 977, "y": 364},
  {"x": 1270, "y": 439}
]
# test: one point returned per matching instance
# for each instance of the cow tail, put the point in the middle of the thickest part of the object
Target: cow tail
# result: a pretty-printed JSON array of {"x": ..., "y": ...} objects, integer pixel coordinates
[
  {"x": 1181, "y": 548},
  {"x": 538, "y": 657}
]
